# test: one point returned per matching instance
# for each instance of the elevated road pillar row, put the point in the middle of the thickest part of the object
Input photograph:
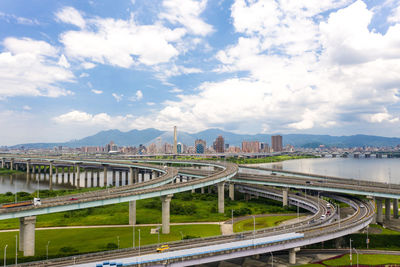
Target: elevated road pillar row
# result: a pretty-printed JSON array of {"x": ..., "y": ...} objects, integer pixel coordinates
[
  {"x": 3, "y": 163},
  {"x": 232, "y": 191},
  {"x": 379, "y": 211},
  {"x": 387, "y": 209},
  {"x": 395, "y": 208},
  {"x": 221, "y": 189},
  {"x": 51, "y": 176},
  {"x": 27, "y": 235},
  {"x": 165, "y": 201},
  {"x": 105, "y": 175},
  {"x": 132, "y": 212},
  {"x": 285, "y": 197},
  {"x": 292, "y": 255}
]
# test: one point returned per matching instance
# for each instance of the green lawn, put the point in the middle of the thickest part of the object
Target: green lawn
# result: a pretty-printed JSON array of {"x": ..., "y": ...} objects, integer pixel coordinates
[
  {"x": 260, "y": 222},
  {"x": 185, "y": 207},
  {"x": 373, "y": 259},
  {"x": 99, "y": 238}
]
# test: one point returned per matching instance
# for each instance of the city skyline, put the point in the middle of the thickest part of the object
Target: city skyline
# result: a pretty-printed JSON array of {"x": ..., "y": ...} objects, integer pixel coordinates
[{"x": 329, "y": 67}]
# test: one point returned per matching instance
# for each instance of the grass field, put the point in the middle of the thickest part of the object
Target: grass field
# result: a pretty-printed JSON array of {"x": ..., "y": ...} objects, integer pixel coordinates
[
  {"x": 185, "y": 207},
  {"x": 76, "y": 241},
  {"x": 370, "y": 260},
  {"x": 260, "y": 222}
]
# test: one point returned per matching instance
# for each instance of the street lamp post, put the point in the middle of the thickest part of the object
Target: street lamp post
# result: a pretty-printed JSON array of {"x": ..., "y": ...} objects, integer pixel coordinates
[
  {"x": 367, "y": 241},
  {"x": 118, "y": 241},
  {"x": 339, "y": 214},
  {"x": 181, "y": 234},
  {"x": 232, "y": 220},
  {"x": 5, "y": 255},
  {"x": 351, "y": 260},
  {"x": 16, "y": 250},
  {"x": 47, "y": 250},
  {"x": 272, "y": 259},
  {"x": 254, "y": 226},
  {"x": 357, "y": 255},
  {"x": 139, "y": 241},
  {"x": 133, "y": 236}
]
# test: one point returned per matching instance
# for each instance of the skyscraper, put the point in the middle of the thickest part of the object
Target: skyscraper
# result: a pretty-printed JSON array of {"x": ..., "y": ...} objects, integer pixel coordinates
[
  {"x": 250, "y": 146},
  {"x": 219, "y": 144},
  {"x": 200, "y": 146},
  {"x": 276, "y": 143}
]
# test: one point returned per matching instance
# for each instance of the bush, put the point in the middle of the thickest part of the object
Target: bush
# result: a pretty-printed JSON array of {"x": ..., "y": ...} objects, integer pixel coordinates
[
  {"x": 9, "y": 194},
  {"x": 111, "y": 246},
  {"x": 180, "y": 209},
  {"x": 190, "y": 237},
  {"x": 68, "y": 250},
  {"x": 153, "y": 204}
]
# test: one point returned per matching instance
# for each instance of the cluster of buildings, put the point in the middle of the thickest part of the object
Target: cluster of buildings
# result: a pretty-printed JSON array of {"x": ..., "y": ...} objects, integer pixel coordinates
[{"x": 200, "y": 147}]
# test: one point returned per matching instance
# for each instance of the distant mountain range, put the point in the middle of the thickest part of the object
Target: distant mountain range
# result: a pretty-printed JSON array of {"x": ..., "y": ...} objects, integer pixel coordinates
[{"x": 147, "y": 136}]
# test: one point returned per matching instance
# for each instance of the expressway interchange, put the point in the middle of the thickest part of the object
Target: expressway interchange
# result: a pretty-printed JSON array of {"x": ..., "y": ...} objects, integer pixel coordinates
[{"x": 311, "y": 230}]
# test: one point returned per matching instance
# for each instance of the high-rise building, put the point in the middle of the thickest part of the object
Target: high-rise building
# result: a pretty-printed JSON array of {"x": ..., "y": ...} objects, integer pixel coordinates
[
  {"x": 219, "y": 144},
  {"x": 175, "y": 151},
  {"x": 276, "y": 143},
  {"x": 200, "y": 146},
  {"x": 179, "y": 148},
  {"x": 250, "y": 146}
]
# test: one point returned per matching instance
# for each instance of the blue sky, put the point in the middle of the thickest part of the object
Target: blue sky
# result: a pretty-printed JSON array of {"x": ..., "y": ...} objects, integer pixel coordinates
[{"x": 69, "y": 69}]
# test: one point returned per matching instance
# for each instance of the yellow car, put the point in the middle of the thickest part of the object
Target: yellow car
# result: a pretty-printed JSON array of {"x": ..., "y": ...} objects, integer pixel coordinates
[{"x": 162, "y": 248}]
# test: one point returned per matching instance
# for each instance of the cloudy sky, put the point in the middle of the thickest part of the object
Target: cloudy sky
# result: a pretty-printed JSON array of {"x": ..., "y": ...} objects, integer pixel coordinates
[{"x": 69, "y": 69}]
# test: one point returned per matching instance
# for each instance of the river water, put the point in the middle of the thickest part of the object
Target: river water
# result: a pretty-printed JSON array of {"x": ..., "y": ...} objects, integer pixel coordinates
[{"x": 386, "y": 170}]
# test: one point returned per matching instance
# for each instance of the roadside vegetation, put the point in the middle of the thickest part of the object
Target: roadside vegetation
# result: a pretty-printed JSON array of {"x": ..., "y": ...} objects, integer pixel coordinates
[
  {"x": 260, "y": 222},
  {"x": 185, "y": 207},
  {"x": 363, "y": 259},
  {"x": 4, "y": 171},
  {"x": 67, "y": 242}
]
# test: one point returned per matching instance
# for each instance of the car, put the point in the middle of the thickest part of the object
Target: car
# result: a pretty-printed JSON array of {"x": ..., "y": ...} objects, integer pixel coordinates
[
  {"x": 308, "y": 182},
  {"x": 362, "y": 206},
  {"x": 73, "y": 198},
  {"x": 323, "y": 216},
  {"x": 162, "y": 248}
]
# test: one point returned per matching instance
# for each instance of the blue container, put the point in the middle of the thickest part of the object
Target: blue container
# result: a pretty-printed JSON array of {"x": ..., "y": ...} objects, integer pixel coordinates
[
  {"x": 106, "y": 263},
  {"x": 99, "y": 265}
]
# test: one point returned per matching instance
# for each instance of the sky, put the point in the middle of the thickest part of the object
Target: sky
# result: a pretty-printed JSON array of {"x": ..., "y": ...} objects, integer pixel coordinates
[{"x": 69, "y": 69}]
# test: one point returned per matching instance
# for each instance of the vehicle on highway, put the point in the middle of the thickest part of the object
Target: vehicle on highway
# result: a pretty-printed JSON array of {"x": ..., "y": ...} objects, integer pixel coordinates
[
  {"x": 73, "y": 198},
  {"x": 308, "y": 182},
  {"x": 162, "y": 248},
  {"x": 323, "y": 216},
  {"x": 35, "y": 202}
]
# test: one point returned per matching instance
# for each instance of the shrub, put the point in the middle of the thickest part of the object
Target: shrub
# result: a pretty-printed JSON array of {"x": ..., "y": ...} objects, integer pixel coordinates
[
  {"x": 68, "y": 250},
  {"x": 111, "y": 246}
]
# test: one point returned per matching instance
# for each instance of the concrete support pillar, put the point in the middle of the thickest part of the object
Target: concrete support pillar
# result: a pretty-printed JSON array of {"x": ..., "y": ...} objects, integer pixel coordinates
[
  {"x": 395, "y": 208},
  {"x": 98, "y": 178},
  {"x": 221, "y": 192},
  {"x": 91, "y": 178},
  {"x": 232, "y": 191},
  {"x": 285, "y": 193},
  {"x": 132, "y": 212},
  {"x": 379, "y": 211},
  {"x": 78, "y": 176},
  {"x": 11, "y": 164},
  {"x": 86, "y": 178},
  {"x": 292, "y": 255},
  {"x": 51, "y": 176},
  {"x": 3, "y": 162},
  {"x": 28, "y": 167},
  {"x": 62, "y": 174},
  {"x": 27, "y": 225},
  {"x": 131, "y": 176},
  {"x": 126, "y": 177},
  {"x": 120, "y": 178},
  {"x": 387, "y": 209},
  {"x": 136, "y": 175},
  {"x": 74, "y": 175},
  {"x": 105, "y": 175},
  {"x": 166, "y": 201},
  {"x": 202, "y": 190},
  {"x": 114, "y": 183}
]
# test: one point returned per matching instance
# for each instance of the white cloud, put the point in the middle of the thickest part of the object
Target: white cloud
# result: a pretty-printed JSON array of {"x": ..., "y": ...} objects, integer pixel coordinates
[
  {"x": 26, "y": 107},
  {"x": 187, "y": 13},
  {"x": 117, "y": 96},
  {"x": 84, "y": 75},
  {"x": 63, "y": 62},
  {"x": 30, "y": 68},
  {"x": 97, "y": 92},
  {"x": 19, "y": 20},
  {"x": 122, "y": 43},
  {"x": 175, "y": 90},
  {"x": 102, "y": 120},
  {"x": 138, "y": 96},
  {"x": 72, "y": 16},
  {"x": 395, "y": 15},
  {"x": 150, "y": 103},
  {"x": 88, "y": 65}
]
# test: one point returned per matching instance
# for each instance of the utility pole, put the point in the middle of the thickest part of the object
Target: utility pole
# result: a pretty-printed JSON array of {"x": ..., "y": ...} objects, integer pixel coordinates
[{"x": 351, "y": 260}]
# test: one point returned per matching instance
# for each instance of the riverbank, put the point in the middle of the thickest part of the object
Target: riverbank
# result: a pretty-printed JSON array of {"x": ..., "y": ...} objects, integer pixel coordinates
[{"x": 7, "y": 171}]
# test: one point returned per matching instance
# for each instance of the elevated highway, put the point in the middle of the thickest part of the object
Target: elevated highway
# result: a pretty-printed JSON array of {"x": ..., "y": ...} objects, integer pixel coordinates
[{"x": 168, "y": 181}]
